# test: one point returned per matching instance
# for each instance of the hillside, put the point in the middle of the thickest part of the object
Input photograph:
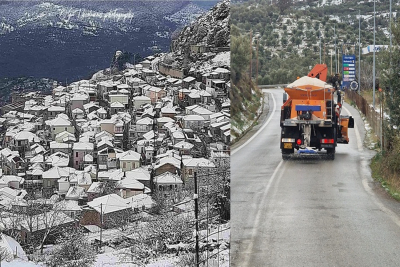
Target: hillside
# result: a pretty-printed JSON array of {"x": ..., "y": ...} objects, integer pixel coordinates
[
  {"x": 72, "y": 39},
  {"x": 210, "y": 32},
  {"x": 289, "y": 37},
  {"x": 210, "y": 29}
]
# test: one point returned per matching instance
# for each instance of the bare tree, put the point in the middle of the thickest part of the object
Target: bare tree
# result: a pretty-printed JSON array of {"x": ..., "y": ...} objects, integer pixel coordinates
[
  {"x": 73, "y": 249},
  {"x": 4, "y": 254},
  {"x": 52, "y": 222}
]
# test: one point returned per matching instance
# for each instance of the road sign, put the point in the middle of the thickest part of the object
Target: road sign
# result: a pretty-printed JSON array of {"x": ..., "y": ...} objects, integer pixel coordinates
[{"x": 349, "y": 70}]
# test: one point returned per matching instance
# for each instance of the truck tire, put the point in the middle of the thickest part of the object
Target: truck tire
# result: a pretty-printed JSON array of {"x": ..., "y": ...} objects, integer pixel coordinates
[
  {"x": 331, "y": 153},
  {"x": 286, "y": 153}
]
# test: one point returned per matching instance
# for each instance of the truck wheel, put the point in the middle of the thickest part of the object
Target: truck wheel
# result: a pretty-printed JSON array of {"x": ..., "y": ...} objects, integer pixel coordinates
[
  {"x": 331, "y": 153},
  {"x": 286, "y": 153}
]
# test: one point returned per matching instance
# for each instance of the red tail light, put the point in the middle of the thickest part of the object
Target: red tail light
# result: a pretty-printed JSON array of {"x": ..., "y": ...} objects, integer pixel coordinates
[
  {"x": 327, "y": 141},
  {"x": 298, "y": 141}
]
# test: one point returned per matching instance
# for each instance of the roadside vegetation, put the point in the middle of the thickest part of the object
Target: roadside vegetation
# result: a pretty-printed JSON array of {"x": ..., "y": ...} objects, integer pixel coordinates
[
  {"x": 386, "y": 163},
  {"x": 246, "y": 98},
  {"x": 288, "y": 36}
]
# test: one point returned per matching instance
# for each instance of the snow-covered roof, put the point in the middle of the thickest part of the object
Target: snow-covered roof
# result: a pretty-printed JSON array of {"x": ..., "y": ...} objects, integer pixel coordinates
[
  {"x": 129, "y": 155},
  {"x": 57, "y": 172},
  {"x": 130, "y": 183},
  {"x": 96, "y": 187},
  {"x": 168, "y": 160},
  {"x": 149, "y": 135},
  {"x": 165, "y": 120},
  {"x": 101, "y": 111},
  {"x": 79, "y": 97},
  {"x": 189, "y": 79},
  {"x": 193, "y": 118},
  {"x": 77, "y": 111},
  {"x": 59, "y": 121},
  {"x": 57, "y": 145},
  {"x": 108, "y": 204},
  {"x": 141, "y": 98},
  {"x": 198, "y": 162},
  {"x": 12, "y": 178},
  {"x": 37, "y": 159},
  {"x": 144, "y": 121},
  {"x": 114, "y": 175},
  {"x": 56, "y": 109},
  {"x": 66, "y": 136},
  {"x": 75, "y": 192},
  {"x": 167, "y": 178},
  {"x": 59, "y": 159},
  {"x": 183, "y": 145},
  {"x": 88, "y": 158},
  {"x": 138, "y": 174},
  {"x": 25, "y": 135},
  {"x": 140, "y": 200},
  {"x": 83, "y": 146},
  {"x": 199, "y": 110},
  {"x": 117, "y": 105}
]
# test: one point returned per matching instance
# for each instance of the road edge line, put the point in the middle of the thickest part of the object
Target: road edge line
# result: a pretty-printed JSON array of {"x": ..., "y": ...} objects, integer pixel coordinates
[
  {"x": 259, "y": 130},
  {"x": 257, "y": 218}
]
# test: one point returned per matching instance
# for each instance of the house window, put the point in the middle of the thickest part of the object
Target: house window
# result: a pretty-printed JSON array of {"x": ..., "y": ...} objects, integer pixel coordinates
[
  {"x": 124, "y": 165},
  {"x": 190, "y": 171},
  {"x": 76, "y": 154},
  {"x": 76, "y": 162},
  {"x": 170, "y": 187},
  {"x": 54, "y": 129},
  {"x": 65, "y": 128}
]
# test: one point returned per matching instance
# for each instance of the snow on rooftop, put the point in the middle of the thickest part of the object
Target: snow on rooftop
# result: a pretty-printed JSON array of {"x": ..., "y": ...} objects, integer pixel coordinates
[
  {"x": 168, "y": 178},
  {"x": 108, "y": 204}
]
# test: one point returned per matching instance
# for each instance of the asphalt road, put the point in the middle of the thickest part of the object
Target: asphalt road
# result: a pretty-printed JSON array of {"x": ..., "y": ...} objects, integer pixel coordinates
[{"x": 309, "y": 212}]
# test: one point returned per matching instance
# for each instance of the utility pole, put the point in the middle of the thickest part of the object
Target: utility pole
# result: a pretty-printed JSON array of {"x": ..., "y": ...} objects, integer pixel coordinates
[
  {"x": 257, "y": 62},
  {"x": 359, "y": 51},
  {"x": 101, "y": 223},
  {"x": 251, "y": 52},
  {"x": 334, "y": 36},
  {"x": 390, "y": 47},
  {"x": 320, "y": 51},
  {"x": 373, "y": 67},
  {"x": 196, "y": 214}
]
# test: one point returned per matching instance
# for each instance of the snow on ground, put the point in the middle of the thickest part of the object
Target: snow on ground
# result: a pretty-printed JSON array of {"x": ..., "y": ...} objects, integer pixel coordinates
[
  {"x": 221, "y": 59},
  {"x": 19, "y": 263},
  {"x": 112, "y": 257}
]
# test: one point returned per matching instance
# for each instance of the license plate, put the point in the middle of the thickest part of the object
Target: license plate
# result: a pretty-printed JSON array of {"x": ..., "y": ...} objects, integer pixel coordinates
[{"x": 287, "y": 145}]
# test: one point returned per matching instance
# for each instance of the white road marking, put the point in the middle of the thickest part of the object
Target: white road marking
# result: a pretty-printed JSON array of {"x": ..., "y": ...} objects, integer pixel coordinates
[
  {"x": 257, "y": 220},
  {"x": 259, "y": 130},
  {"x": 365, "y": 179}
]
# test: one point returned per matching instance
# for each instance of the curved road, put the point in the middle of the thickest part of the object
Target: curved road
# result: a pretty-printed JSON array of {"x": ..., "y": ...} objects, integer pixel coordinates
[{"x": 309, "y": 212}]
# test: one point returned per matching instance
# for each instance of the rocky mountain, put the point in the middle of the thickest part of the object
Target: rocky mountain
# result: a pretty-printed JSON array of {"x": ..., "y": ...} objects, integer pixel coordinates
[
  {"x": 68, "y": 40},
  {"x": 210, "y": 29}
]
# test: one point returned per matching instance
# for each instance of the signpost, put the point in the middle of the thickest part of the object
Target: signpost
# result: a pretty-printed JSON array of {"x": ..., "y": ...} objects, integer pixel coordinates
[{"x": 349, "y": 70}]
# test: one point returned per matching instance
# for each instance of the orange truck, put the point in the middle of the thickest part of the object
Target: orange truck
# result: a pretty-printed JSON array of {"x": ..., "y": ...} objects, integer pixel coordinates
[{"x": 310, "y": 116}]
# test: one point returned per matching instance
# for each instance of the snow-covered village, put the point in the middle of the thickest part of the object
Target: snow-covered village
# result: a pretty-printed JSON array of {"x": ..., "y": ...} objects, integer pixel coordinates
[{"x": 128, "y": 168}]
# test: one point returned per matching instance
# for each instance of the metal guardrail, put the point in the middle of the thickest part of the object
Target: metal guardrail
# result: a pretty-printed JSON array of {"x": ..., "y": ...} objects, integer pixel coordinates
[{"x": 268, "y": 86}]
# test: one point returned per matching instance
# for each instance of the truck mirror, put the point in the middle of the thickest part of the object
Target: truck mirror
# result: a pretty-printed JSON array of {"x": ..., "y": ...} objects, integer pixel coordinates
[
  {"x": 351, "y": 122},
  {"x": 285, "y": 98}
]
